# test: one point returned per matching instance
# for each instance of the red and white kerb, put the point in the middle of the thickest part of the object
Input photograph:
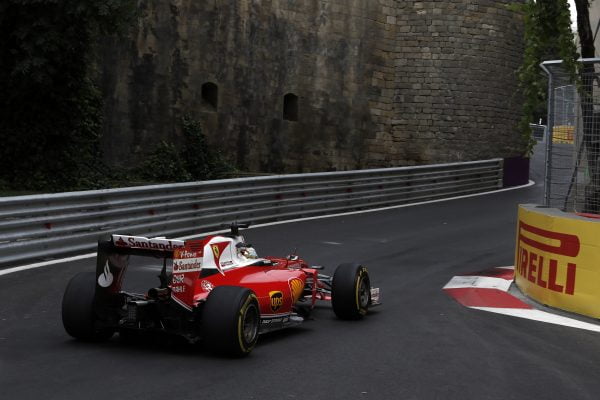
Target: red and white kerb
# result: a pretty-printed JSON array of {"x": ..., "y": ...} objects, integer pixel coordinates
[{"x": 488, "y": 291}]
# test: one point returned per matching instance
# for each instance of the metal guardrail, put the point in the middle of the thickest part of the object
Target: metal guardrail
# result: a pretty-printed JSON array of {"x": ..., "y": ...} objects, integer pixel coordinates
[{"x": 52, "y": 225}]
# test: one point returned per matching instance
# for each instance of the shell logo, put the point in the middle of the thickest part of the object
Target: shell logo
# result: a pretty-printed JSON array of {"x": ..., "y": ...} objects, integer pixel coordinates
[{"x": 296, "y": 286}]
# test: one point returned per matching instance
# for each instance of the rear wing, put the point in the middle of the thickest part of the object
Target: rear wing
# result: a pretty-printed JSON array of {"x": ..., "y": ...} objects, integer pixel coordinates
[
  {"x": 113, "y": 259},
  {"x": 140, "y": 242}
]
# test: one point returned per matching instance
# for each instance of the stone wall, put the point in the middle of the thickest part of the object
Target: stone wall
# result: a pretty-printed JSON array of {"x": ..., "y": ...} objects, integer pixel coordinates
[
  {"x": 455, "y": 81},
  {"x": 378, "y": 82}
]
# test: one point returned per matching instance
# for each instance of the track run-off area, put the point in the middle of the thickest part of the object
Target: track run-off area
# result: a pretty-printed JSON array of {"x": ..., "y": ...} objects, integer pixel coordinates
[{"x": 420, "y": 344}]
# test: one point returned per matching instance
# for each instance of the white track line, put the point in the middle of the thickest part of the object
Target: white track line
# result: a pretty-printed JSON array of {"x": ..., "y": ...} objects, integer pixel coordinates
[
  {"x": 45, "y": 263},
  {"x": 75, "y": 258},
  {"x": 531, "y": 183},
  {"x": 542, "y": 316},
  {"x": 90, "y": 255},
  {"x": 478, "y": 282}
]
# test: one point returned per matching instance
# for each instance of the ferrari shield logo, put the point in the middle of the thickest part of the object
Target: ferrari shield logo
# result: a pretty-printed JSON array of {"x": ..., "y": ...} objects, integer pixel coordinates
[
  {"x": 216, "y": 251},
  {"x": 276, "y": 300}
]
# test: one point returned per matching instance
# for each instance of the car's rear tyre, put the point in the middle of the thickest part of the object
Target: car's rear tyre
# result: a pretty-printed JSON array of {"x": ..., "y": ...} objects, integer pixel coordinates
[
  {"x": 78, "y": 314},
  {"x": 350, "y": 291},
  {"x": 230, "y": 321}
]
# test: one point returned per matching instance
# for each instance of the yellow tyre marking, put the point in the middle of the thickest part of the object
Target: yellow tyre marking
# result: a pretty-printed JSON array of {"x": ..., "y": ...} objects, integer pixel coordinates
[
  {"x": 241, "y": 324},
  {"x": 357, "y": 288}
]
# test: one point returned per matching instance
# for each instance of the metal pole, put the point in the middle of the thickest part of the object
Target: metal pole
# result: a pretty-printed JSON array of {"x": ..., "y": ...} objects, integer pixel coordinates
[{"x": 550, "y": 125}]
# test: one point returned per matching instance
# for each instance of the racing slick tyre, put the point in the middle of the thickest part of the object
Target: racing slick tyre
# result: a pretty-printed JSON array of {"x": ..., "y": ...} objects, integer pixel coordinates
[
  {"x": 350, "y": 291},
  {"x": 78, "y": 315},
  {"x": 230, "y": 321}
]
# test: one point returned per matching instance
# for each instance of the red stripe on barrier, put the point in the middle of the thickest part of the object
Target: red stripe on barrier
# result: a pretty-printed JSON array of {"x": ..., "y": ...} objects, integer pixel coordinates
[
  {"x": 502, "y": 273},
  {"x": 569, "y": 244},
  {"x": 588, "y": 215},
  {"x": 473, "y": 297}
]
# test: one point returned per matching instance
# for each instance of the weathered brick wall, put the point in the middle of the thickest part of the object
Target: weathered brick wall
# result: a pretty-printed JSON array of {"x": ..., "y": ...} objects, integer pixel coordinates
[
  {"x": 379, "y": 82},
  {"x": 455, "y": 82}
]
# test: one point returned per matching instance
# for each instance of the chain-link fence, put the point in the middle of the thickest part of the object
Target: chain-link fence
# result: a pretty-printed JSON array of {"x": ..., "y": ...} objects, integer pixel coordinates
[
  {"x": 539, "y": 132},
  {"x": 573, "y": 138}
]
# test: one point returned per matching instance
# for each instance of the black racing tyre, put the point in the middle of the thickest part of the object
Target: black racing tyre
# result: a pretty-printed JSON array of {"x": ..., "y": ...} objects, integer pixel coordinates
[
  {"x": 230, "y": 321},
  {"x": 78, "y": 316},
  {"x": 350, "y": 291}
]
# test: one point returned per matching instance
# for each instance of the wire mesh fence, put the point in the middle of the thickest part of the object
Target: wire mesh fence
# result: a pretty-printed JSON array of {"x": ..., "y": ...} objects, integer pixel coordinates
[
  {"x": 539, "y": 132},
  {"x": 573, "y": 137}
]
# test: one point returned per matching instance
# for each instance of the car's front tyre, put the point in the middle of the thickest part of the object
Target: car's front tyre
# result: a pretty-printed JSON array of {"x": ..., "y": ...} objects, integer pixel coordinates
[{"x": 350, "y": 291}]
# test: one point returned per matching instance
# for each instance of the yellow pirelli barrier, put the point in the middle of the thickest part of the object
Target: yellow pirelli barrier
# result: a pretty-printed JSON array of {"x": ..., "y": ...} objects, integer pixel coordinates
[{"x": 557, "y": 260}]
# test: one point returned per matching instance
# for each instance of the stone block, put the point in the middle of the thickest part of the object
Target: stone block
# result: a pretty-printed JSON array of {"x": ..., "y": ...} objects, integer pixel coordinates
[{"x": 360, "y": 66}]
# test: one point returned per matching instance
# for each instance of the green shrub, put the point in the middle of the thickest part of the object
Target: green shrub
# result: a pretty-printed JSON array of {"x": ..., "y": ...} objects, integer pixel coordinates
[
  {"x": 194, "y": 161},
  {"x": 164, "y": 164},
  {"x": 547, "y": 36},
  {"x": 201, "y": 161}
]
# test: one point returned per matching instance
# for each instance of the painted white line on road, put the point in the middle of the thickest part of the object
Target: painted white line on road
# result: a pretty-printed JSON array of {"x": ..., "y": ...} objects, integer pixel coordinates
[
  {"x": 478, "y": 282},
  {"x": 77, "y": 258},
  {"x": 89, "y": 255},
  {"x": 531, "y": 183},
  {"x": 334, "y": 243},
  {"x": 45, "y": 263},
  {"x": 542, "y": 316}
]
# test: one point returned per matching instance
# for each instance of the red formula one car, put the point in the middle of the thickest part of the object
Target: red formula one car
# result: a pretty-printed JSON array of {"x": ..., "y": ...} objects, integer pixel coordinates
[{"x": 215, "y": 289}]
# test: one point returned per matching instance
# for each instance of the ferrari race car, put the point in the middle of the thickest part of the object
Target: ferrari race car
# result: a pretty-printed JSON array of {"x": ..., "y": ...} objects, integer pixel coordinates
[{"x": 214, "y": 289}]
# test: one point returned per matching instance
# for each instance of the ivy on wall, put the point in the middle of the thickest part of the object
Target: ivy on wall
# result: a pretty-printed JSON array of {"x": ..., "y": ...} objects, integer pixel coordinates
[
  {"x": 548, "y": 36},
  {"x": 50, "y": 107},
  {"x": 194, "y": 161}
]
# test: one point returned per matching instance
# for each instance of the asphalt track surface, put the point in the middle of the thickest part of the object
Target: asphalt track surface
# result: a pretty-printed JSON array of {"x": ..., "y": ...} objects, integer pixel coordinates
[{"x": 420, "y": 344}]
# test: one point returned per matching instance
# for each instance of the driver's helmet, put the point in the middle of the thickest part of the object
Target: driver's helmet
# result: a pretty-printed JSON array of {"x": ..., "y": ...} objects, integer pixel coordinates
[
  {"x": 251, "y": 253},
  {"x": 246, "y": 250}
]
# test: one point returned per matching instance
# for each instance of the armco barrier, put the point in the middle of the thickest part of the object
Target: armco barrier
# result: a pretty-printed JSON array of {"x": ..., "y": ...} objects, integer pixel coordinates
[
  {"x": 557, "y": 260},
  {"x": 42, "y": 226}
]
